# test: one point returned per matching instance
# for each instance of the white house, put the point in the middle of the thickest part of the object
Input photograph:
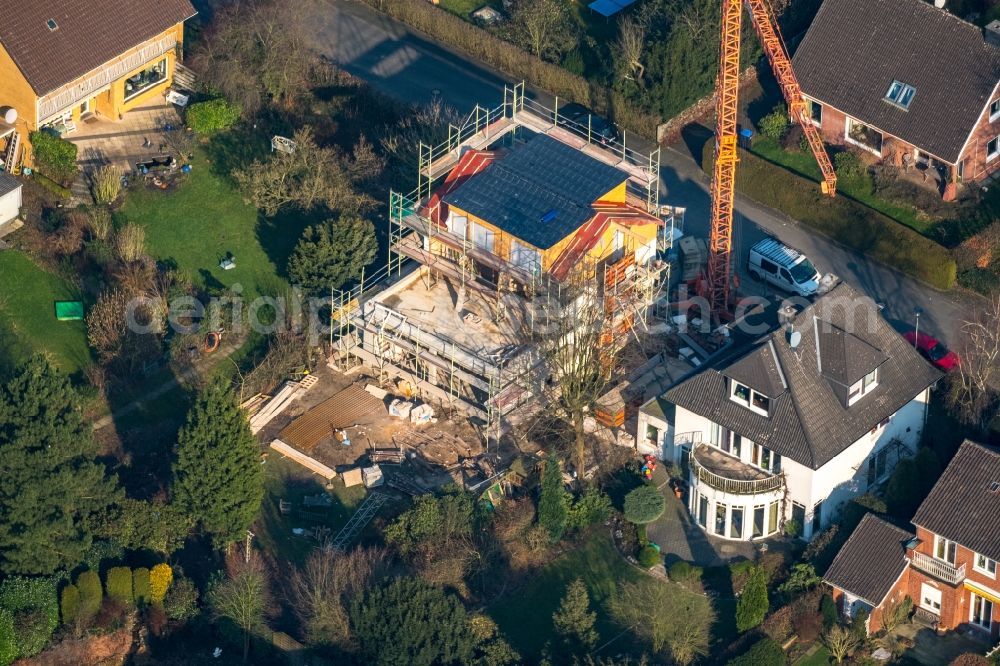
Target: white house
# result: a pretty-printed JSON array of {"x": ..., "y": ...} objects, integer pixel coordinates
[
  {"x": 10, "y": 198},
  {"x": 792, "y": 425}
]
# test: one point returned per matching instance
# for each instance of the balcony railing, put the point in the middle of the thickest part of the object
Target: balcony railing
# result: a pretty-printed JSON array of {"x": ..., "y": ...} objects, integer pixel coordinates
[
  {"x": 938, "y": 568},
  {"x": 733, "y": 486},
  {"x": 72, "y": 93}
]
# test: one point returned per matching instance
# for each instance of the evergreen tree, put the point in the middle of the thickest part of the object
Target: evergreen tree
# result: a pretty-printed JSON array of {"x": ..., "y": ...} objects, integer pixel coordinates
[
  {"x": 53, "y": 490},
  {"x": 753, "y": 603},
  {"x": 574, "y": 620},
  {"x": 217, "y": 477},
  {"x": 331, "y": 253},
  {"x": 552, "y": 506}
]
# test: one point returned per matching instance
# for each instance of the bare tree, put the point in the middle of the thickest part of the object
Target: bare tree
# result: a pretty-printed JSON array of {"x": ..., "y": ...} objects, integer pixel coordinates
[
  {"x": 841, "y": 641},
  {"x": 653, "y": 610},
  {"x": 321, "y": 591},
  {"x": 630, "y": 46},
  {"x": 544, "y": 27},
  {"x": 971, "y": 390},
  {"x": 243, "y": 594},
  {"x": 306, "y": 177}
]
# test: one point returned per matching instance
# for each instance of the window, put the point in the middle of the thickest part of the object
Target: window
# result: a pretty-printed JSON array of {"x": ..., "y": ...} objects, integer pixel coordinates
[
  {"x": 703, "y": 511},
  {"x": 772, "y": 519},
  {"x": 816, "y": 112},
  {"x": 900, "y": 94},
  {"x": 803, "y": 271},
  {"x": 799, "y": 516},
  {"x": 146, "y": 79},
  {"x": 993, "y": 148},
  {"x": 863, "y": 136},
  {"x": 817, "y": 518},
  {"x": 985, "y": 565},
  {"x": 961, "y": 170},
  {"x": 768, "y": 266},
  {"x": 715, "y": 435},
  {"x": 525, "y": 258},
  {"x": 930, "y": 598},
  {"x": 758, "y": 521},
  {"x": 720, "y": 519},
  {"x": 457, "y": 224},
  {"x": 862, "y": 386},
  {"x": 736, "y": 523},
  {"x": 652, "y": 433},
  {"x": 981, "y": 612},
  {"x": 764, "y": 458},
  {"x": 877, "y": 465},
  {"x": 944, "y": 550},
  {"x": 747, "y": 397},
  {"x": 995, "y": 110}
]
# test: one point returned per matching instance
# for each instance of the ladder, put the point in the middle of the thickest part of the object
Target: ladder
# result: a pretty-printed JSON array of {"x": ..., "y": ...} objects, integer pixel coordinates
[
  {"x": 12, "y": 156},
  {"x": 361, "y": 517}
]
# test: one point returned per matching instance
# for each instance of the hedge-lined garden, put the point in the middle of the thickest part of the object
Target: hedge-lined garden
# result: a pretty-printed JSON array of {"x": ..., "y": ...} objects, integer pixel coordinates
[{"x": 849, "y": 223}]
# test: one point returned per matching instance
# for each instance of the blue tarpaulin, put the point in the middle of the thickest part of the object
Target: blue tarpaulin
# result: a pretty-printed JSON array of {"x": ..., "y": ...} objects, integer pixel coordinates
[{"x": 605, "y": 8}]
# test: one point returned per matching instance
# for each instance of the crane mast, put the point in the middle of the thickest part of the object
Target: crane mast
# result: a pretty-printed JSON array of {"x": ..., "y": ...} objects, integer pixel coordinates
[{"x": 726, "y": 109}]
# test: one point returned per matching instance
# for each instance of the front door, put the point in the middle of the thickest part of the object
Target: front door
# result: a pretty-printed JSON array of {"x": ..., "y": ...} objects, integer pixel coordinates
[
  {"x": 930, "y": 598},
  {"x": 980, "y": 611}
]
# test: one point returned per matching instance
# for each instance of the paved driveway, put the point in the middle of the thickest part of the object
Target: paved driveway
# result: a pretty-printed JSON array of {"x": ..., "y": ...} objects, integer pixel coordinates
[{"x": 409, "y": 67}]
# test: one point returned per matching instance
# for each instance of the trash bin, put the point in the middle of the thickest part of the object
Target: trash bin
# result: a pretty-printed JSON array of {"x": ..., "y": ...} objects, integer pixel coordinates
[{"x": 745, "y": 139}]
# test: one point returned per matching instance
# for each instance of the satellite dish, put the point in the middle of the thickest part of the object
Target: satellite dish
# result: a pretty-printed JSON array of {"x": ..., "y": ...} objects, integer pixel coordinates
[{"x": 794, "y": 339}]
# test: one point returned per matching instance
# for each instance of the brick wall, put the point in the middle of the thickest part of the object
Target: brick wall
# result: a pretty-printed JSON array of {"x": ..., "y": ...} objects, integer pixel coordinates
[
  {"x": 976, "y": 164},
  {"x": 833, "y": 126}
]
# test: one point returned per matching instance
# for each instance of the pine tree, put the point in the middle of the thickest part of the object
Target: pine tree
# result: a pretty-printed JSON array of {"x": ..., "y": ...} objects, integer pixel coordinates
[
  {"x": 53, "y": 490},
  {"x": 331, "y": 253},
  {"x": 753, "y": 603},
  {"x": 574, "y": 620},
  {"x": 217, "y": 477},
  {"x": 552, "y": 506}
]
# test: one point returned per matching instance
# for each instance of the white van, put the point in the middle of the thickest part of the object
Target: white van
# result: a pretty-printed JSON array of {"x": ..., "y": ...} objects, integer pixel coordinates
[{"x": 785, "y": 267}]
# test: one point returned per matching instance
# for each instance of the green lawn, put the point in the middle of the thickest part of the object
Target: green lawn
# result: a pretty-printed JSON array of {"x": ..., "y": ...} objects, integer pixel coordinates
[
  {"x": 27, "y": 316},
  {"x": 821, "y": 657},
  {"x": 803, "y": 163},
  {"x": 525, "y": 615},
  {"x": 463, "y": 8},
  {"x": 202, "y": 220}
]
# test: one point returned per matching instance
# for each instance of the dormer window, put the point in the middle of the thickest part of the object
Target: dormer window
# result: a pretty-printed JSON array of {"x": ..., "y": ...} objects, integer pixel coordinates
[
  {"x": 749, "y": 398},
  {"x": 862, "y": 387},
  {"x": 900, "y": 94}
]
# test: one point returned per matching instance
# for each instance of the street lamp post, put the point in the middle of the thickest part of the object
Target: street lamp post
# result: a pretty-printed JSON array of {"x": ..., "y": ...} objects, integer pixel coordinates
[{"x": 917, "y": 311}]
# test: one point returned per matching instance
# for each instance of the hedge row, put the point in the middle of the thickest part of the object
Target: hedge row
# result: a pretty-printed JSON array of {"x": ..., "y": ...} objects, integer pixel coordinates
[
  {"x": 509, "y": 59},
  {"x": 850, "y": 223}
]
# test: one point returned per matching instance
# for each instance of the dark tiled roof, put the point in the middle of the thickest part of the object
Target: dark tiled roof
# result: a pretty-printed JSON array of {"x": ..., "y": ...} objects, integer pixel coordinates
[
  {"x": 660, "y": 409},
  {"x": 89, "y": 33},
  {"x": 540, "y": 192},
  {"x": 961, "y": 506},
  {"x": 871, "y": 560},
  {"x": 808, "y": 421},
  {"x": 758, "y": 369},
  {"x": 855, "y": 49},
  {"x": 8, "y": 183}
]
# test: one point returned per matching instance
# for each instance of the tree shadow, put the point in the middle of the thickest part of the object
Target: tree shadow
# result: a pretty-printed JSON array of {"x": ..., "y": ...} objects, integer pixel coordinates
[
  {"x": 279, "y": 234},
  {"x": 695, "y": 136}
]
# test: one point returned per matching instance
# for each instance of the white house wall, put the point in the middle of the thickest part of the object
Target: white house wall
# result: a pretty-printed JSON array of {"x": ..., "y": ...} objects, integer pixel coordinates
[
  {"x": 663, "y": 447},
  {"x": 10, "y": 206}
]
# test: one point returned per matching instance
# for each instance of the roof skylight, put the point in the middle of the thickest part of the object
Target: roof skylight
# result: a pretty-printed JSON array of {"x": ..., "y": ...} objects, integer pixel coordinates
[
  {"x": 900, "y": 94},
  {"x": 51, "y": 23}
]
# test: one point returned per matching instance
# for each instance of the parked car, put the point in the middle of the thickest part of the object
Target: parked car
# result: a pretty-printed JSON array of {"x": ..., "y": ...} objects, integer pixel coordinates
[
  {"x": 785, "y": 267},
  {"x": 933, "y": 350},
  {"x": 601, "y": 131}
]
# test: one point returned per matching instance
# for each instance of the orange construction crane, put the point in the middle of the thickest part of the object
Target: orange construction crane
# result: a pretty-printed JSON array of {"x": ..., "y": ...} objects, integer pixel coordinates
[{"x": 726, "y": 109}]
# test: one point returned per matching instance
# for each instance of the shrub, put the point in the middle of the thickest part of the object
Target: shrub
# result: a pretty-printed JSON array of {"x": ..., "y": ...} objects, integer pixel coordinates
[
  {"x": 807, "y": 625},
  {"x": 34, "y": 605},
  {"x": 106, "y": 185},
  {"x": 859, "y": 624},
  {"x": 130, "y": 242},
  {"x": 828, "y": 609},
  {"x": 792, "y": 528},
  {"x": 91, "y": 593},
  {"x": 778, "y": 625},
  {"x": 648, "y": 557},
  {"x": 51, "y": 185},
  {"x": 775, "y": 124},
  {"x": 751, "y": 607},
  {"x": 970, "y": 659},
  {"x": 680, "y": 571},
  {"x": 644, "y": 505},
  {"x": 590, "y": 508},
  {"x": 53, "y": 155},
  {"x": 99, "y": 222},
  {"x": 69, "y": 603},
  {"x": 981, "y": 280},
  {"x": 850, "y": 223},
  {"x": 181, "y": 602},
  {"x": 765, "y": 652},
  {"x": 140, "y": 585},
  {"x": 848, "y": 166},
  {"x": 8, "y": 639},
  {"x": 159, "y": 582},
  {"x": 118, "y": 584},
  {"x": 212, "y": 116}
]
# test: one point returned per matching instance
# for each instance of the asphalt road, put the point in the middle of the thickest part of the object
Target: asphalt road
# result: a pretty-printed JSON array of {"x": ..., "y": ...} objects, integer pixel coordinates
[{"x": 410, "y": 67}]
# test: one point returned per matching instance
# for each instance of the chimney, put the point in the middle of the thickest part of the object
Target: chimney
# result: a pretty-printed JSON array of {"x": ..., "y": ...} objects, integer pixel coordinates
[
  {"x": 786, "y": 315},
  {"x": 991, "y": 33},
  {"x": 939, "y": 4}
]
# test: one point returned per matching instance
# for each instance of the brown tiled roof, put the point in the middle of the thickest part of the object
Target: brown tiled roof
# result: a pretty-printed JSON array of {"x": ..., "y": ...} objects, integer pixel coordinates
[
  {"x": 855, "y": 49},
  {"x": 963, "y": 506},
  {"x": 809, "y": 421},
  {"x": 89, "y": 33},
  {"x": 871, "y": 560}
]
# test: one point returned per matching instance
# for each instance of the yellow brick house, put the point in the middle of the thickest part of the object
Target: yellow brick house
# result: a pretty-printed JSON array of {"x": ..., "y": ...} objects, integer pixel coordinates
[{"x": 61, "y": 60}]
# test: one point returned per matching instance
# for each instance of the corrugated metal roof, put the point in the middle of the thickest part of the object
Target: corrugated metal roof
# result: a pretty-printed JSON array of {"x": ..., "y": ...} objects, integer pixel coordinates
[
  {"x": 855, "y": 49},
  {"x": 871, "y": 560},
  {"x": 963, "y": 506},
  {"x": 540, "y": 192},
  {"x": 8, "y": 183}
]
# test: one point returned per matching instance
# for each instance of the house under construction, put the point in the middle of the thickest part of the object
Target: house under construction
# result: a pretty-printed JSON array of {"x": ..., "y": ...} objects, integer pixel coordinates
[{"x": 518, "y": 211}]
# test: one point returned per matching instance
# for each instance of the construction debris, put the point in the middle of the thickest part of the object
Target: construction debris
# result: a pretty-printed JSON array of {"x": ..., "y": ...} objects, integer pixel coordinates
[
  {"x": 400, "y": 408},
  {"x": 281, "y": 400},
  {"x": 372, "y": 476},
  {"x": 347, "y": 408},
  {"x": 303, "y": 459},
  {"x": 352, "y": 477}
]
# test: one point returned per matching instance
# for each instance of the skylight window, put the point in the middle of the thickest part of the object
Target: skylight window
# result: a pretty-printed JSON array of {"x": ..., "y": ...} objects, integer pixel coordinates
[
  {"x": 51, "y": 23},
  {"x": 900, "y": 94}
]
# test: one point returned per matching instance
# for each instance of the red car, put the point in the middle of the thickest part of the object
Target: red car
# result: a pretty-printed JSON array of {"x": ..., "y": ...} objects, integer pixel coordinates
[{"x": 933, "y": 350}]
